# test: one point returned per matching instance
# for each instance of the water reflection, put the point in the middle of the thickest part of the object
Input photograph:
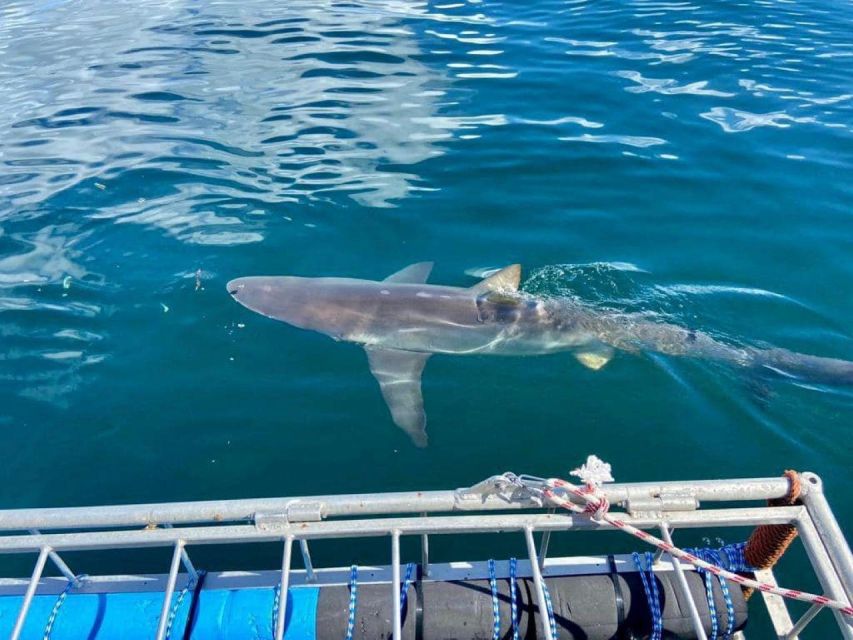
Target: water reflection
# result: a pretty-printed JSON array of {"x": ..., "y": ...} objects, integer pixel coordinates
[{"x": 210, "y": 125}]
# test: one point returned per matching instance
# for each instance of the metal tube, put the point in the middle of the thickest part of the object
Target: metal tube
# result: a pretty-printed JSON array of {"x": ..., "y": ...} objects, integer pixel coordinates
[
  {"x": 475, "y": 523},
  {"x": 64, "y": 569},
  {"x": 361, "y": 504},
  {"x": 31, "y": 591},
  {"x": 807, "y": 617},
  {"x": 185, "y": 558},
  {"x": 659, "y": 552},
  {"x": 780, "y": 618},
  {"x": 425, "y": 555},
  {"x": 170, "y": 590},
  {"x": 281, "y": 616},
  {"x": 685, "y": 590},
  {"x": 537, "y": 581},
  {"x": 395, "y": 586},
  {"x": 828, "y": 530},
  {"x": 543, "y": 545},
  {"x": 824, "y": 570},
  {"x": 306, "y": 559}
]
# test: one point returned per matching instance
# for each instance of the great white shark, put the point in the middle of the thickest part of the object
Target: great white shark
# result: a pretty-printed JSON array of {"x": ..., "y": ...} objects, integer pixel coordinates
[{"x": 401, "y": 321}]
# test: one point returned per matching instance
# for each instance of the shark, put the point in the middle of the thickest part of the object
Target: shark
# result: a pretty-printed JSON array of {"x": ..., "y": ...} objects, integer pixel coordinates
[{"x": 402, "y": 321}]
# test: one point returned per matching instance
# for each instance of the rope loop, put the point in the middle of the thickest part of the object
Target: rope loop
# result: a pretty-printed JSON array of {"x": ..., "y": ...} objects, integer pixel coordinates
[
  {"x": 650, "y": 587},
  {"x": 190, "y": 586},
  {"x": 709, "y": 593},
  {"x": 51, "y": 620}
]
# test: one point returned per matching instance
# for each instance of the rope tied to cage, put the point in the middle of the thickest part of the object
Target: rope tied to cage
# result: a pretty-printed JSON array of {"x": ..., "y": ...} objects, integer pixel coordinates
[
  {"x": 553, "y": 491},
  {"x": 54, "y": 613},
  {"x": 768, "y": 542}
]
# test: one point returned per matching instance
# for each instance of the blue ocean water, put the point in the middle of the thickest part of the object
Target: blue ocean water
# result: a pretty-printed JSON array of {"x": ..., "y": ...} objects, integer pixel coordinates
[{"x": 684, "y": 158}]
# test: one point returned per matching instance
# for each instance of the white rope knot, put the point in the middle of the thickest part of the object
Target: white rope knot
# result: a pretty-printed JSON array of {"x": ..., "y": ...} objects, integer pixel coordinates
[{"x": 594, "y": 472}]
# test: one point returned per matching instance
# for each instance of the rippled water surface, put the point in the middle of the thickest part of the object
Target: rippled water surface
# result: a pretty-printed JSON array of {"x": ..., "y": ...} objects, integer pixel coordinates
[{"x": 688, "y": 159}]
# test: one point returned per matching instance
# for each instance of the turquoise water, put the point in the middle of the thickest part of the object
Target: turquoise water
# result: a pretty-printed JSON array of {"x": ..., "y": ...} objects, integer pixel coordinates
[{"x": 689, "y": 159}]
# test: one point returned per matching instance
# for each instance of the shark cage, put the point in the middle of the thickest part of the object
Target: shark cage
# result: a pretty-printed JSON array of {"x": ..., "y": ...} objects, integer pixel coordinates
[{"x": 664, "y": 591}]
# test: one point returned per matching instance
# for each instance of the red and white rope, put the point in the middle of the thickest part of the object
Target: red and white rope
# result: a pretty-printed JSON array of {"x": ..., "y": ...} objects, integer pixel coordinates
[{"x": 596, "y": 506}]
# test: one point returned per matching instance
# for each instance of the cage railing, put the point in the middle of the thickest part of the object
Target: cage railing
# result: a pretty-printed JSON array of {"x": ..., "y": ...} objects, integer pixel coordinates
[{"x": 663, "y": 506}]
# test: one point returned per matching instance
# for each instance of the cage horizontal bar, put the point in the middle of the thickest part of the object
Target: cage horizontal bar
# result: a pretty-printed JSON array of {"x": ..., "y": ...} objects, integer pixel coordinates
[
  {"x": 361, "y": 504},
  {"x": 226, "y": 534}
]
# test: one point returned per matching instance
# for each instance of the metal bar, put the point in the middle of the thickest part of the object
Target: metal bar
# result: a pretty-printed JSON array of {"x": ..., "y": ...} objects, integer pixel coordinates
[
  {"x": 425, "y": 555},
  {"x": 659, "y": 552},
  {"x": 824, "y": 570},
  {"x": 397, "y": 632},
  {"x": 425, "y": 552},
  {"x": 170, "y": 590},
  {"x": 537, "y": 581},
  {"x": 698, "y": 627},
  {"x": 780, "y": 618},
  {"x": 306, "y": 559},
  {"x": 807, "y": 617},
  {"x": 384, "y": 526},
  {"x": 31, "y": 592},
  {"x": 828, "y": 530},
  {"x": 281, "y": 616},
  {"x": 543, "y": 545},
  {"x": 543, "y": 548},
  {"x": 185, "y": 558},
  {"x": 64, "y": 569},
  {"x": 361, "y": 504}
]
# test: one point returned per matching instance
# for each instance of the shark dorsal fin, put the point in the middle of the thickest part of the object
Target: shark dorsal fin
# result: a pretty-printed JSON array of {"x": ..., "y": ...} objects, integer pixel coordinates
[
  {"x": 507, "y": 279},
  {"x": 413, "y": 274}
]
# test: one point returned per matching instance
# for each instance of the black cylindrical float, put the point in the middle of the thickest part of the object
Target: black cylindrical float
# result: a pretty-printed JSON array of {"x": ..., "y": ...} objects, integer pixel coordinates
[{"x": 586, "y": 607}]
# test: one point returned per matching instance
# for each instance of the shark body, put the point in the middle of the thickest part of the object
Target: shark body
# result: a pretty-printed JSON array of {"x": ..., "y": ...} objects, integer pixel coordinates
[{"x": 401, "y": 321}]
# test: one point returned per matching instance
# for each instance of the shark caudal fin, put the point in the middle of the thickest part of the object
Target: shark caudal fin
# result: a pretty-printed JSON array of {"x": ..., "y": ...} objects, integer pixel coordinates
[
  {"x": 790, "y": 364},
  {"x": 399, "y": 377}
]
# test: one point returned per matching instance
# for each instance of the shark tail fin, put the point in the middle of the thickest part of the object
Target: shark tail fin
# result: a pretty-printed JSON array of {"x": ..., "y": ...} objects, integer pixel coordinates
[{"x": 809, "y": 368}]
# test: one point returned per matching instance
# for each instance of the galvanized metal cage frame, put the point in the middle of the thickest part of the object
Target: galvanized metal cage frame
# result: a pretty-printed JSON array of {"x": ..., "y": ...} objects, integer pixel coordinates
[{"x": 663, "y": 506}]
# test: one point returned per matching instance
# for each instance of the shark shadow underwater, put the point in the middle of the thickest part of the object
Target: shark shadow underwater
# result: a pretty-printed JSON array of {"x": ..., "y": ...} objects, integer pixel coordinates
[{"x": 401, "y": 321}]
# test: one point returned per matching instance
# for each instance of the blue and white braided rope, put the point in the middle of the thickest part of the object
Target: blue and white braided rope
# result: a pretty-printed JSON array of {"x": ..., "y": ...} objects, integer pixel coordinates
[
  {"x": 404, "y": 588},
  {"x": 191, "y": 584},
  {"x": 715, "y": 556},
  {"x": 650, "y": 588},
  {"x": 51, "y": 620},
  {"x": 552, "y": 622},
  {"x": 513, "y": 567},
  {"x": 496, "y": 611},
  {"x": 353, "y": 600}
]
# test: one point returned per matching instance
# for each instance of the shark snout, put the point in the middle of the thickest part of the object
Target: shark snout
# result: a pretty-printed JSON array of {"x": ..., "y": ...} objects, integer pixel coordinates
[
  {"x": 235, "y": 286},
  {"x": 273, "y": 296}
]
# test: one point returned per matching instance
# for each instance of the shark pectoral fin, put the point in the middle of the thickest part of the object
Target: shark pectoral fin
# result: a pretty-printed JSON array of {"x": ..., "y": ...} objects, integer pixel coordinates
[
  {"x": 399, "y": 377},
  {"x": 507, "y": 279},
  {"x": 413, "y": 274},
  {"x": 595, "y": 359}
]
